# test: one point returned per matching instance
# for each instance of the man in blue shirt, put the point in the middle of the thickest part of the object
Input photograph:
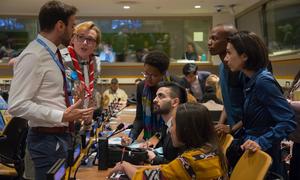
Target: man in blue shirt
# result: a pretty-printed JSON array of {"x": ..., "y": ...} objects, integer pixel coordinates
[{"x": 230, "y": 82}]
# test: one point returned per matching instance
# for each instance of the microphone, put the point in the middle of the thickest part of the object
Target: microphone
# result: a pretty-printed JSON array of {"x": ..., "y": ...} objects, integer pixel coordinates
[
  {"x": 129, "y": 127},
  {"x": 120, "y": 130},
  {"x": 119, "y": 127},
  {"x": 114, "y": 114}
]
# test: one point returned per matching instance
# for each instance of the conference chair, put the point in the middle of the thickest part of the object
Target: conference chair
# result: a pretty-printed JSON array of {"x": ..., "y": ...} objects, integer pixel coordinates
[
  {"x": 225, "y": 142},
  {"x": 252, "y": 166},
  {"x": 12, "y": 143}
]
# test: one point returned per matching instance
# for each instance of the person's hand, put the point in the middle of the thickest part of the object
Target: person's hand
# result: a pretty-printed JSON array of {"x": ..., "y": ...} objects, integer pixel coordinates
[
  {"x": 79, "y": 92},
  {"x": 74, "y": 113},
  {"x": 12, "y": 61},
  {"x": 151, "y": 155},
  {"x": 89, "y": 118},
  {"x": 125, "y": 141},
  {"x": 250, "y": 145},
  {"x": 222, "y": 128},
  {"x": 147, "y": 145},
  {"x": 118, "y": 168}
]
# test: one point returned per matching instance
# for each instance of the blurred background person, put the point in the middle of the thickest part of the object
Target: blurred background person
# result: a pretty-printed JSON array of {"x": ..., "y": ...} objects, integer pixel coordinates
[
  {"x": 199, "y": 141},
  {"x": 140, "y": 53},
  {"x": 194, "y": 80},
  {"x": 107, "y": 55},
  {"x": 120, "y": 45},
  {"x": 190, "y": 53},
  {"x": 132, "y": 98},
  {"x": 212, "y": 90},
  {"x": 114, "y": 94}
]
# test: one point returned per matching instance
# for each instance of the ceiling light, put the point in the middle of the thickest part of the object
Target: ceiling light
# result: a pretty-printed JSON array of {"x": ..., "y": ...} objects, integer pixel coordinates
[
  {"x": 126, "y": 7},
  {"x": 197, "y": 6}
]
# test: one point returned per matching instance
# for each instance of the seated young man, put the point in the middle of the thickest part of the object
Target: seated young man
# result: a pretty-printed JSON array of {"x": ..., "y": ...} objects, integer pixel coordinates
[
  {"x": 168, "y": 96},
  {"x": 156, "y": 65}
]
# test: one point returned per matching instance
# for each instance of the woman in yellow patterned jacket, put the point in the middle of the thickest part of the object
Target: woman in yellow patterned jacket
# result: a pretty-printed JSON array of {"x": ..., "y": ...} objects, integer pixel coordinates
[{"x": 193, "y": 131}]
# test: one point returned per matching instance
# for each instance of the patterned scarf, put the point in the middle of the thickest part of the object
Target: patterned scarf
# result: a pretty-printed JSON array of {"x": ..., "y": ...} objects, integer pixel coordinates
[
  {"x": 152, "y": 122},
  {"x": 89, "y": 90}
]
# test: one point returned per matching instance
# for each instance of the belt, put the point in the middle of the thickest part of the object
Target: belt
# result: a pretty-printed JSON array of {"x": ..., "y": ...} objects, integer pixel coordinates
[{"x": 51, "y": 130}]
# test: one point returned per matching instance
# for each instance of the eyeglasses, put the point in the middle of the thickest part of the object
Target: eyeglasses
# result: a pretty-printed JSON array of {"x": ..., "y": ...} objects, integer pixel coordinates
[
  {"x": 89, "y": 40},
  {"x": 147, "y": 75}
]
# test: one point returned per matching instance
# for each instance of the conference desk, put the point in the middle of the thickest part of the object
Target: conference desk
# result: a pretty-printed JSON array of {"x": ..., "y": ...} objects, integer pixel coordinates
[
  {"x": 89, "y": 173},
  {"x": 127, "y": 116}
]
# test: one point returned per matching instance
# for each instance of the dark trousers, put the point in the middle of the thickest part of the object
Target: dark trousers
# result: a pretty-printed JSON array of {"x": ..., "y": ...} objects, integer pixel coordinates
[
  {"x": 295, "y": 163},
  {"x": 45, "y": 150},
  {"x": 277, "y": 163}
]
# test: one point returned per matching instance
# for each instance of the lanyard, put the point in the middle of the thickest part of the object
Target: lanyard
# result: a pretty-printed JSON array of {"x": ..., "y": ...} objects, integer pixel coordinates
[{"x": 56, "y": 60}]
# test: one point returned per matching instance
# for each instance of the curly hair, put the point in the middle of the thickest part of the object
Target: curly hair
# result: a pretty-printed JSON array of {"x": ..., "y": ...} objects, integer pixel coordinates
[{"x": 158, "y": 60}]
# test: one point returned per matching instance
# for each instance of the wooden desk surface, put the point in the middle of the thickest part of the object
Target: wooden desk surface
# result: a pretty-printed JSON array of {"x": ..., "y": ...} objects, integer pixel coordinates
[{"x": 90, "y": 173}]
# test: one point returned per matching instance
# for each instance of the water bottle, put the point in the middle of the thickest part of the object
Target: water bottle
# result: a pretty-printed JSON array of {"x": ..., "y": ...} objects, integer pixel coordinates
[{"x": 203, "y": 57}]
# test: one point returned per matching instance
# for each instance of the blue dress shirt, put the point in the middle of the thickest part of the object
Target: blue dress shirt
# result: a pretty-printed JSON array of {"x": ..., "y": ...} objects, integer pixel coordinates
[
  {"x": 268, "y": 117},
  {"x": 232, "y": 92}
]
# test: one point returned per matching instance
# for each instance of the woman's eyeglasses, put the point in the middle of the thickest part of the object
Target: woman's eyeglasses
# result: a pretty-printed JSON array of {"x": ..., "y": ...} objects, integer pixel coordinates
[{"x": 82, "y": 38}]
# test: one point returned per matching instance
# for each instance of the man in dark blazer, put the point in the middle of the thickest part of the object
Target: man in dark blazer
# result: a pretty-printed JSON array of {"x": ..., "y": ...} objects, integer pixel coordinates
[
  {"x": 194, "y": 80},
  {"x": 168, "y": 96}
]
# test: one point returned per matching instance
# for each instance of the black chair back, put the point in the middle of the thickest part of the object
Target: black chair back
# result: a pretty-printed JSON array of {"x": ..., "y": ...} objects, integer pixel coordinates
[{"x": 14, "y": 140}]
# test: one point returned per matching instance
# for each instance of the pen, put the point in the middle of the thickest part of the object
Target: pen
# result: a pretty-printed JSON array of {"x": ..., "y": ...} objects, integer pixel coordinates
[{"x": 123, "y": 152}]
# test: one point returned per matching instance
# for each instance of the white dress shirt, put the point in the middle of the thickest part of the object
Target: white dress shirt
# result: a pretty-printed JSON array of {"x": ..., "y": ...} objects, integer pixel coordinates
[
  {"x": 36, "y": 91},
  {"x": 169, "y": 124}
]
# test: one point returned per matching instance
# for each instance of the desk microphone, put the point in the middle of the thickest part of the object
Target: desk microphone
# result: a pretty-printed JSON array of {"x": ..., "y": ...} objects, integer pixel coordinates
[
  {"x": 103, "y": 147},
  {"x": 115, "y": 113},
  {"x": 119, "y": 127},
  {"x": 120, "y": 130},
  {"x": 129, "y": 127}
]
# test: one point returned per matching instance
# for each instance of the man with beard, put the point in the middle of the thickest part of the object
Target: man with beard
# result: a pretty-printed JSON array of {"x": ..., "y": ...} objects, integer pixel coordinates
[
  {"x": 39, "y": 90},
  {"x": 156, "y": 66},
  {"x": 168, "y": 97}
]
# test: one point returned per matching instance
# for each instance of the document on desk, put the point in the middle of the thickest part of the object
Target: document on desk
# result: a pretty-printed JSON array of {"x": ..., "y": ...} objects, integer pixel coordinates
[
  {"x": 129, "y": 110},
  {"x": 159, "y": 150},
  {"x": 126, "y": 132},
  {"x": 115, "y": 140},
  {"x": 135, "y": 145}
]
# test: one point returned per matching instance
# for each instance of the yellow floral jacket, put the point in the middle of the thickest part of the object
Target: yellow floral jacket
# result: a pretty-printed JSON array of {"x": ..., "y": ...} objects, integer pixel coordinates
[{"x": 193, "y": 164}]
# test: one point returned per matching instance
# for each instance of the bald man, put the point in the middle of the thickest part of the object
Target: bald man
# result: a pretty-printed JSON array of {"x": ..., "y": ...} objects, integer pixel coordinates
[{"x": 231, "y": 84}]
